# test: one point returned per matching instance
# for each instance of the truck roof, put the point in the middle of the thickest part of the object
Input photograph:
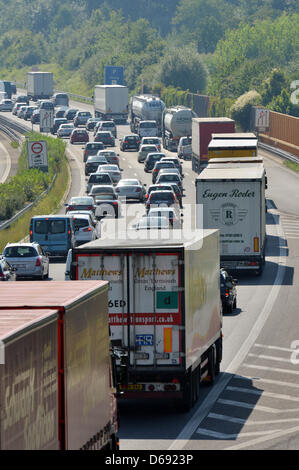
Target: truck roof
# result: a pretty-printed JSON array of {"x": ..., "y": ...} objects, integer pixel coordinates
[
  {"x": 47, "y": 294},
  {"x": 232, "y": 144},
  {"x": 226, "y": 160},
  {"x": 213, "y": 119},
  {"x": 123, "y": 243},
  {"x": 236, "y": 135},
  {"x": 232, "y": 171},
  {"x": 14, "y": 323}
]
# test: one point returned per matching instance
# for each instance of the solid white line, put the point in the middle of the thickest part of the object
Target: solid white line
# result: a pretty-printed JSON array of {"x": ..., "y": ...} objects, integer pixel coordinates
[
  {"x": 7, "y": 164},
  {"x": 271, "y": 358},
  {"x": 273, "y": 347},
  {"x": 220, "y": 435},
  {"x": 273, "y": 369},
  {"x": 262, "y": 393},
  {"x": 272, "y": 436}
]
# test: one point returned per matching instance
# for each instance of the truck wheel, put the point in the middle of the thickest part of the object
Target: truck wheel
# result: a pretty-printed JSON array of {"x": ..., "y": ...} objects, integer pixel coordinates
[{"x": 188, "y": 397}]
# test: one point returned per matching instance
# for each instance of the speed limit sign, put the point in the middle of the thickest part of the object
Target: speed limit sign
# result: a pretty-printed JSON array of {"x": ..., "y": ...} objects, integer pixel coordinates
[{"x": 37, "y": 154}]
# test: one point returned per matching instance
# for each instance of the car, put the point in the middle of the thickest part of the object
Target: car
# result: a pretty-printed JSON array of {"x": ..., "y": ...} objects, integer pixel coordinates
[
  {"x": 60, "y": 112},
  {"x": 21, "y": 111},
  {"x": 90, "y": 125},
  {"x": 96, "y": 188},
  {"x": 174, "y": 171},
  {"x": 91, "y": 149},
  {"x": 151, "y": 159},
  {"x": 56, "y": 124},
  {"x": 60, "y": 99},
  {"x": 161, "y": 198},
  {"x": 98, "y": 179},
  {"x": 35, "y": 117},
  {"x": 46, "y": 104},
  {"x": 29, "y": 111},
  {"x": 7, "y": 272},
  {"x": 29, "y": 260},
  {"x": 144, "y": 150},
  {"x": 107, "y": 203},
  {"x": 106, "y": 126},
  {"x": 17, "y": 106},
  {"x": 158, "y": 166},
  {"x": 151, "y": 141},
  {"x": 130, "y": 141},
  {"x": 21, "y": 99},
  {"x": 77, "y": 203},
  {"x": 152, "y": 223},
  {"x": 70, "y": 113},
  {"x": 113, "y": 170},
  {"x": 169, "y": 212},
  {"x": 6, "y": 105},
  {"x": 54, "y": 233},
  {"x": 79, "y": 135},
  {"x": 170, "y": 178},
  {"x": 93, "y": 163},
  {"x": 65, "y": 130},
  {"x": 167, "y": 187},
  {"x": 85, "y": 231},
  {"x": 185, "y": 148},
  {"x": 130, "y": 189},
  {"x": 175, "y": 161},
  {"x": 228, "y": 292},
  {"x": 106, "y": 137},
  {"x": 111, "y": 156},
  {"x": 81, "y": 118}
]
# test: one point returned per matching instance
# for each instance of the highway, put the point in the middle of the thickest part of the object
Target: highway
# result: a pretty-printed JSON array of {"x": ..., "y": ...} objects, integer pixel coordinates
[{"x": 254, "y": 403}]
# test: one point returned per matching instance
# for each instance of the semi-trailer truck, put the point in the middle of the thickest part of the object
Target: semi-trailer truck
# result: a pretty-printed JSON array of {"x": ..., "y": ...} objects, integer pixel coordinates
[
  {"x": 176, "y": 123},
  {"x": 232, "y": 195},
  {"x": 145, "y": 108},
  {"x": 56, "y": 388},
  {"x": 111, "y": 103},
  {"x": 39, "y": 85},
  {"x": 164, "y": 310}
]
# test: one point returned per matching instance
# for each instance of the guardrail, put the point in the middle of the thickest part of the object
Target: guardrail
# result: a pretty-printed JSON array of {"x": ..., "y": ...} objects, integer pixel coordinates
[{"x": 280, "y": 153}]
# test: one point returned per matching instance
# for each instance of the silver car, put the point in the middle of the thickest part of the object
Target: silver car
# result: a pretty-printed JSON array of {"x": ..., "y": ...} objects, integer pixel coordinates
[
  {"x": 144, "y": 150},
  {"x": 65, "y": 130},
  {"x": 6, "y": 105},
  {"x": 131, "y": 189},
  {"x": 29, "y": 259},
  {"x": 114, "y": 171}
]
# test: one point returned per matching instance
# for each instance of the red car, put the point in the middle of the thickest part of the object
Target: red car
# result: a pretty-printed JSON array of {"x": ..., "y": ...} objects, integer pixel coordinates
[{"x": 79, "y": 135}]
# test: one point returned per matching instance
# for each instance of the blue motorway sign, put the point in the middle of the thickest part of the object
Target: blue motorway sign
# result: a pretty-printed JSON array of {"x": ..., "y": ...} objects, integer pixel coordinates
[{"x": 114, "y": 75}]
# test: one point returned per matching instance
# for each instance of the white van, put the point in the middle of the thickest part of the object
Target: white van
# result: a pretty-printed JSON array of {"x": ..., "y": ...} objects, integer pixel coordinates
[{"x": 147, "y": 129}]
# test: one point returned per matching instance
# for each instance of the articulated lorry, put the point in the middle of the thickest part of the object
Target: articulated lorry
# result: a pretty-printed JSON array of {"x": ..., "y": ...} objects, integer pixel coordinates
[
  {"x": 111, "y": 103},
  {"x": 176, "y": 123},
  {"x": 164, "y": 310},
  {"x": 202, "y": 130},
  {"x": 145, "y": 108},
  {"x": 56, "y": 372},
  {"x": 232, "y": 195},
  {"x": 39, "y": 85}
]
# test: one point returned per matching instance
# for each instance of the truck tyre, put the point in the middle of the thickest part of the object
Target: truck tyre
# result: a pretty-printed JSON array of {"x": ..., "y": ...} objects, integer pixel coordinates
[
  {"x": 218, "y": 355},
  {"x": 188, "y": 397}
]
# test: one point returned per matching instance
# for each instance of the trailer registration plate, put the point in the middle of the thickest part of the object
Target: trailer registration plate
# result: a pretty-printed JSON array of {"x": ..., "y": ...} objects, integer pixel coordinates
[{"x": 127, "y": 387}]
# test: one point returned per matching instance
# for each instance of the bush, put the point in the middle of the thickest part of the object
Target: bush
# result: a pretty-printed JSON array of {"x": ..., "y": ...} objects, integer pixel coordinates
[{"x": 241, "y": 110}]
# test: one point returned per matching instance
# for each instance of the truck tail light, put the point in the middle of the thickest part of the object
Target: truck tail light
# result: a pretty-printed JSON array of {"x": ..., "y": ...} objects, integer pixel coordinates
[
  {"x": 38, "y": 262},
  {"x": 226, "y": 292},
  {"x": 256, "y": 244},
  {"x": 167, "y": 339}
]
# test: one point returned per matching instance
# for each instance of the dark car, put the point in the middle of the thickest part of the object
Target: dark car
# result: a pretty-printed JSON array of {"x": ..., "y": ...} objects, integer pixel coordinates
[
  {"x": 158, "y": 198},
  {"x": 228, "y": 292},
  {"x": 93, "y": 162},
  {"x": 28, "y": 112},
  {"x": 92, "y": 148},
  {"x": 35, "y": 117},
  {"x": 166, "y": 187},
  {"x": 79, "y": 135},
  {"x": 176, "y": 162},
  {"x": 91, "y": 123},
  {"x": 7, "y": 272},
  {"x": 107, "y": 203},
  {"x": 151, "y": 160},
  {"x": 106, "y": 137},
  {"x": 56, "y": 124},
  {"x": 22, "y": 99},
  {"x": 77, "y": 203},
  {"x": 131, "y": 141},
  {"x": 70, "y": 114},
  {"x": 158, "y": 166}
]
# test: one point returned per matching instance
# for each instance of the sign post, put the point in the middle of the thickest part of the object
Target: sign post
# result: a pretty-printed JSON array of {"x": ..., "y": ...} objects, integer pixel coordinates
[
  {"x": 37, "y": 154},
  {"x": 46, "y": 120},
  {"x": 261, "y": 119}
]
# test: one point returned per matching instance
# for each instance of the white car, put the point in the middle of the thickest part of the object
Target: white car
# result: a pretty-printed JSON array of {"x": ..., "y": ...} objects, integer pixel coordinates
[
  {"x": 185, "y": 148},
  {"x": 113, "y": 170},
  {"x": 85, "y": 231},
  {"x": 6, "y": 105},
  {"x": 65, "y": 130},
  {"x": 151, "y": 141}
]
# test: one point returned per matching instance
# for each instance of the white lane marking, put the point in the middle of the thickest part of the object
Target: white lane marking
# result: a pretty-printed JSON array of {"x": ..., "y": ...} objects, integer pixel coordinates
[
  {"x": 254, "y": 406},
  {"x": 7, "y": 166},
  {"x": 262, "y": 393},
  {"x": 271, "y": 358},
  {"x": 273, "y": 369},
  {"x": 274, "y": 435},
  {"x": 190, "y": 428},
  {"x": 278, "y": 348},
  {"x": 245, "y": 422},
  {"x": 269, "y": 381},
  {"x": 220, "y": 435}
]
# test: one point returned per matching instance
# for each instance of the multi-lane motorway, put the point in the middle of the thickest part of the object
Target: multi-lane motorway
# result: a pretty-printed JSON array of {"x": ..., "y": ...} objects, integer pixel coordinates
[{"x": 255, "y": 401}]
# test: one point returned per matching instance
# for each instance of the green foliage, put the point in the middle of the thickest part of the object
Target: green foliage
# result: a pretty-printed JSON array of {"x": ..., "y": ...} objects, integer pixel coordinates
[{"x": 241, "y": 109}]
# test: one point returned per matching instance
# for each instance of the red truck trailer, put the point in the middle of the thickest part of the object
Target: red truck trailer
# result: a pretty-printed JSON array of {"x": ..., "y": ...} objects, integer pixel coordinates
[
  {"x": 86, "y": 407},
  {"x": 202, "y": 130}
]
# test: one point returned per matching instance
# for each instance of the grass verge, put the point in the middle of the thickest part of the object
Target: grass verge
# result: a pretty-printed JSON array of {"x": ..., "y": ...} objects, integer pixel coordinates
[
  {"x": 292, "y": 166},
  {"x": 47, "y": 205}
]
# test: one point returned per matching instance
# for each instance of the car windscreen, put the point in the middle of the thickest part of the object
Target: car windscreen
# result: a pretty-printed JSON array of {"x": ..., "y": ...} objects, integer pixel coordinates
[
  {"x": 79, "y": 223},
  {"x": 105, "y": 197},
  {"x": 172, "y": 177},
  {"x": 20, "y": 252},
  {"x": 147, "y": 125},
  {"x": 100, "y": 178}
]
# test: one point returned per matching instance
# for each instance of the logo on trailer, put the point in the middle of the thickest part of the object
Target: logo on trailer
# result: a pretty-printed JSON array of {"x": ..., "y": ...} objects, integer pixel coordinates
[{"x": 144, "y": 340}]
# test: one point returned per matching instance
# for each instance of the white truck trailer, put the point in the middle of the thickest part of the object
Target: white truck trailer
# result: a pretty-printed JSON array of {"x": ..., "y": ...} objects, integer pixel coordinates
[
  {"x": 232, "y": 195},
  {"x": 39, "y": 85},
  {"x": 111, "y": 102},
  {"x": 164, "y": 311},
  {"x": 145, "y": 108},
  {"x": 176, "y": 123}
]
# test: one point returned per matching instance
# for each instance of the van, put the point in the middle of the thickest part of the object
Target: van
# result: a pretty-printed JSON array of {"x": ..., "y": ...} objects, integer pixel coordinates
[
  {"x": 54, "y": 233},
  {"x": 147, "y": 129},
  {"x": 60, "y": 99}
]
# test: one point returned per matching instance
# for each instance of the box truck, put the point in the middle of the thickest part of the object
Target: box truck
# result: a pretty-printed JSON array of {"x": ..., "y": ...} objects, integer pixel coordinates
[
  {"x": 202, "y": 130},
  {"x": 58, "y": 392},
  {"x": 164, "y": 310},
  {"x": 232, "y": 196},
  {"x": 39, "y": 85},
  {"x": 111, "y": 102},
  {"x": 145, "y": 108}
]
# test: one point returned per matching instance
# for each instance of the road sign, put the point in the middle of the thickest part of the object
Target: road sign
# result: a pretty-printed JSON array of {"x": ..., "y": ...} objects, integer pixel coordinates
[
  {"x": 37, "y": 154},
  {"x": 46, "y": 120},
  {"x": 114, "y": 75},
  {"x": 262, "y": 119}
]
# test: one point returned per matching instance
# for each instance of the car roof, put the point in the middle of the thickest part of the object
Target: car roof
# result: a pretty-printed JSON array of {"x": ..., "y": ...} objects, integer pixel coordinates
[
  {"x": 163, "y": 191},
  {"x": 161, "y": 209},
  {"x": 82, "y": 216},
  {"x": 132, "y": 180},
  {"x": 22, "y": 244},
  {"x": 79, "y": 197}
]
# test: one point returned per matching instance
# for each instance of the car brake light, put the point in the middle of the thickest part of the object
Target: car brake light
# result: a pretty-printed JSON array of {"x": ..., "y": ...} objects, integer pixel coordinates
[
  {"x": 115, "y": 203},
  {"x": 38, "y": 262},
  {"x": 138, "y": 190},
  {"x": 88, "y": 229}
]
